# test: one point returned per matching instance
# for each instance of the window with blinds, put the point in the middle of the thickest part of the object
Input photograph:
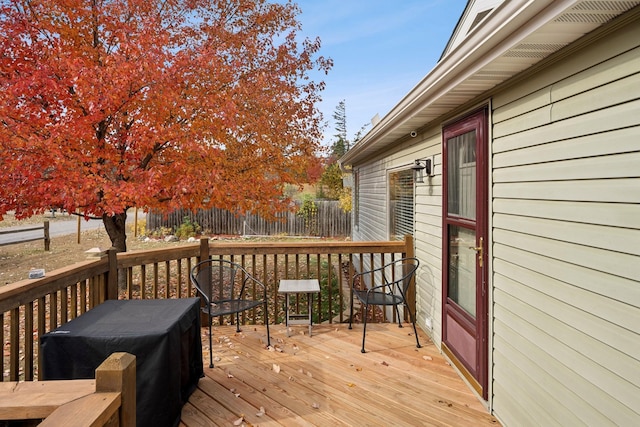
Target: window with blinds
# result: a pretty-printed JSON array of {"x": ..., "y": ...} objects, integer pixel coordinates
[{"x": 400, "y": 204}]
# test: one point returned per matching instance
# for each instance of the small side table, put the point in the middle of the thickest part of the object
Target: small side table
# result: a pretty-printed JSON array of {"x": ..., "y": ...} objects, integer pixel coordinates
[{"x": 295, "y": 286}]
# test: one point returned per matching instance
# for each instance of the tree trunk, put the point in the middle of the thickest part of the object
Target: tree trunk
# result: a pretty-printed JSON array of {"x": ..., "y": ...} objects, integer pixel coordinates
[{"x": 116, "y": 229}]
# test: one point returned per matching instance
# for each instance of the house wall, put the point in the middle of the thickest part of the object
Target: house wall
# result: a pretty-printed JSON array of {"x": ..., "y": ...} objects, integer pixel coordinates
[
  {"x": 428, "y": 238},
  {"x": 374, "y": 217},
  {"x": 372, "y": 224},
  {"x": 566, "y": 240}
]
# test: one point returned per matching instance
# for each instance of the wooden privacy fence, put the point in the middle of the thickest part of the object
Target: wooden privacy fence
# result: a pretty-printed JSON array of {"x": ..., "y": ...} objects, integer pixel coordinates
[
  {"x": 45, "y": 235},
  {"x": 31, "y": 308},
  {"x": 329, "y": 220}
]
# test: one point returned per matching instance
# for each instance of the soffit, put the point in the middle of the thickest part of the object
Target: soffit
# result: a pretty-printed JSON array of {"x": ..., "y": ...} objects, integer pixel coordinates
[{"x": 518, "y": 35}]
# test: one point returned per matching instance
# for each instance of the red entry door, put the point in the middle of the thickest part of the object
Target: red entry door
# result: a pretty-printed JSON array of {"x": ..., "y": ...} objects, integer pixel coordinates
[{"x": 465, "y": 209}]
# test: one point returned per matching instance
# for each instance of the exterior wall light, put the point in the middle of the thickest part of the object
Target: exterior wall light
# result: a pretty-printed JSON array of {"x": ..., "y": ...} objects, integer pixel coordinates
[{"x": 418, "y": 167}]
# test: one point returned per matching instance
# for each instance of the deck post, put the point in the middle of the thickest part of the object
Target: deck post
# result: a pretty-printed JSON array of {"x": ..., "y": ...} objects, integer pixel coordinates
[
  {"x": 411, "y": 292},
  {"x": 204, "y": 255},
  {"x": 408, "y": 246},
  {"x": 112, "y": 275},
  {"x": 118, "y": 374},
  {"x": 204, "y": 249}
]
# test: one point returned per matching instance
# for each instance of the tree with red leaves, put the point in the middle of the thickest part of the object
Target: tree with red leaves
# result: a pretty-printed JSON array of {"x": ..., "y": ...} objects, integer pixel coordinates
[{"x": 111, "y": 104}]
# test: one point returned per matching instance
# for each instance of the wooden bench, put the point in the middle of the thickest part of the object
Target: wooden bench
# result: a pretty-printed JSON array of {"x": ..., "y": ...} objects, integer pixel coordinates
[{"x": 109, "y": 400}]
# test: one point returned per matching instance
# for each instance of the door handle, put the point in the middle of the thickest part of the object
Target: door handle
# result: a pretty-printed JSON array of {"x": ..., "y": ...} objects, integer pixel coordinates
[{"x": 479, "y": 251}]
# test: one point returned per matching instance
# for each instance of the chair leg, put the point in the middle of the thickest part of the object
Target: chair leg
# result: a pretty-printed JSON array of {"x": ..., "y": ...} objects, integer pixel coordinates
[
  {"x": 415, "y": 330},
  {"x": 237, "y": 322},
  {"x": 266, "y": 321},
  {"x": 364, "y": 328},
  {"x": 351, "y": 312},
  {"x": 398, "y": 316},
  {"x": 210, "y": 345}
]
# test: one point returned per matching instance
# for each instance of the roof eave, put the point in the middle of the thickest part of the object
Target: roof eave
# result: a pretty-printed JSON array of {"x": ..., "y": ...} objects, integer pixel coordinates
[{"x": 511, "y": 22}]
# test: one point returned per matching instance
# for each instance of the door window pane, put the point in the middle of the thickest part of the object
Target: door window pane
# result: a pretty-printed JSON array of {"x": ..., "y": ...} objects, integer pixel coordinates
[
  {"x": 462, "y": 268},
  {"x": 461, "y": 175}
]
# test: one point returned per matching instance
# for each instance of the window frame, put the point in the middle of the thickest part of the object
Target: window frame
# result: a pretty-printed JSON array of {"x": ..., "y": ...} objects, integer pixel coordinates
[{"x": 405, "y": 175}]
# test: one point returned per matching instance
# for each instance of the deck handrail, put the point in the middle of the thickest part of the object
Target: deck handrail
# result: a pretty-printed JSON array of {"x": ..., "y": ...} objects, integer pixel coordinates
[{"x": 41, "y": 305}]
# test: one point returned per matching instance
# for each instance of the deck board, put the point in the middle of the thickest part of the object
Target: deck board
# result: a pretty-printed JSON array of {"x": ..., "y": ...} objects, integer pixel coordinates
[{"x": 326, "y": 380}]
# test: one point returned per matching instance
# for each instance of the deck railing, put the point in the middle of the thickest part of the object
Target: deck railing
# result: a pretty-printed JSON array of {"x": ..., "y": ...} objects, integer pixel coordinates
[{"x": 31, "y": 308}]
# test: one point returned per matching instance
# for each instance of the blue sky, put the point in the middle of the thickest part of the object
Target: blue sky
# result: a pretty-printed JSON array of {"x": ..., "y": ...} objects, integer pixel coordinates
[{"x": 381, "y": 49}]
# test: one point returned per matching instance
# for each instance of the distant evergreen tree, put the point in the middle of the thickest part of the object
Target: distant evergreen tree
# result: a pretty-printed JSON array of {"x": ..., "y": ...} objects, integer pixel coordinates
[
  {"x": 358, "y": 136},
  {"x": 341, "y": 144},
  {"x": 331, "y": 183}
]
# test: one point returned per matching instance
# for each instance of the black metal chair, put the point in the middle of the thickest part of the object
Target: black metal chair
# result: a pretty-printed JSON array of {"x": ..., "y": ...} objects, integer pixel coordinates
[
  {"x": 223, "y": 285},
  {"x": 394, "y": 278}
]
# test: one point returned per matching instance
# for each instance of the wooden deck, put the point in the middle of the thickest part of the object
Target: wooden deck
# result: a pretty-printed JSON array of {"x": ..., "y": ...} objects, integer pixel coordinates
[{"x": 325, "y": 380}]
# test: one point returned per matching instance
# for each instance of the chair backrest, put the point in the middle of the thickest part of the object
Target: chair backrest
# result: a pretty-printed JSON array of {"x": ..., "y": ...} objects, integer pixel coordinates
[
  {"x": 219, "y": 280},
  {"x": 400, "y": 272}
]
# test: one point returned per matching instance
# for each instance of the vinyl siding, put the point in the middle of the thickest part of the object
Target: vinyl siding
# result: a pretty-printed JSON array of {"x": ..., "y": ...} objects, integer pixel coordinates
[
  {"x": 373, "y": 203},
  {"x": 566, "y": 240},
  {"x": 427, "y": 216},
  {"x": 428, "y": 240}
]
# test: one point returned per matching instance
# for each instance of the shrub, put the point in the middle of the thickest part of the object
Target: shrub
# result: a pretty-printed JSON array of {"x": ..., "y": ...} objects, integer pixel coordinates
[
  {"x": 309, "y": 211},
  {"x": 141, "y": 229},
  {"x": 187, "y": 229},
  {"x": 345, "y": 199}
]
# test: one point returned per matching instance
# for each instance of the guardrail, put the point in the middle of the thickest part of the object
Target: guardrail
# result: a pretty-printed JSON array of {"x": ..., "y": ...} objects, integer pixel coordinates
[
  {"x": 46, "y": 237},
  {"x": 31, "y": 308}
]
